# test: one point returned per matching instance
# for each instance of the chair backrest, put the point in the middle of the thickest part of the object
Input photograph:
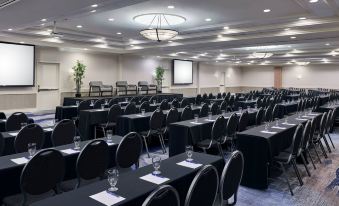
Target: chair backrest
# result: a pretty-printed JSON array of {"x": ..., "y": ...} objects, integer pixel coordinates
[
  {"x": 219, "y": 95},
  {"x": 114, "y": 112},
  {"x": 329, "y": 120},
  {"x": 164, "y": 195},
  {"x": 268, "y": 114},
  {"x": 129, "y": 151},
  {"x": 297, "y": 139},
  {"x": 42, "y": 173},
  {"x": 215, "y": 109},
  {"x": 184, "y": 102},
  {"x": 2, "y": 115},
  {"x": 204, "y": 187},
  {"x": 84, "y": 105},
  {"x": 204, "y": 110},
  {"x": 218, "y": 129},
  {"x": 186, "y": 113},
  {"x": 144, "y": 99},
  {"x": 243, "y": 121},
  {"x": 172, "y": 116},
  {"x": 121, "y": 84},
  {"x": 142, "y": 83},
  {"x": 63, "y": 133},
  {"x": 135, "y": 100},
  {"x": 14, "y": 121},
  {"x": 156, "y": 120},
  {"x": 231, "y": 176},
  {"x": 130, "y": 109},
  {"x": 210, "y": 96},
  {"x": 95, "y": 83},
  {"x": 92, "y": 161},
  {"x": 333, "y": 117},
  {"x": 98, "y": 103},
  {"x": 175, "y": 103},
  {"x": 306, "y": 134},
  {"x": 232, "y": 125},
  {"x": 31, "y": 133},
  {"x": 113, "y": 101},
  {"x": 153, "y": 98},
  {"x": 323, "y": 122},
  {"x": 275, "y": 112},
  {"x": 223, "y": 106},
  {"x": 198, "y": 99},
  {"x": 145, "y": 106},
  {"x": 164, "y": 105}
]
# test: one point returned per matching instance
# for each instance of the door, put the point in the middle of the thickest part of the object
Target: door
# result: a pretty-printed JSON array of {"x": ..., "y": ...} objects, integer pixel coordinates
[{"x": 48, "y": 96}]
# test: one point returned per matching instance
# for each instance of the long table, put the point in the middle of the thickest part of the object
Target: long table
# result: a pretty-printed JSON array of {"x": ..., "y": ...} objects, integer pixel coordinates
[
  {"x": 259, "y": 148},
  {"x": 134, "y": 189},
  {"x": 10, "y": 172}
]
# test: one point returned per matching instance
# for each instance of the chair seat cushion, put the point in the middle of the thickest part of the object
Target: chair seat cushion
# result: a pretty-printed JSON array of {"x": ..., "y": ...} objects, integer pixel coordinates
[
  {"x": 106, "y": 89},
  {"x": 206, "y": 143},
  {"x": 282, "y": 157},
  {"x": 17, "y": 199}
]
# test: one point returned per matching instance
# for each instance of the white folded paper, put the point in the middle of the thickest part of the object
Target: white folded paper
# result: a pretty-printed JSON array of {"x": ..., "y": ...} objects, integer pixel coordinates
[
  {"x": 107, "y": 198},
  {"x": 13, "y": 133},
  {"x": 299, "y": 119},
  {"x": 20, "y": 161},
  {"x": 282, "y": 128},
  {"x": 312, "y": 114},
  {"x": 48, "y": 129},
  {"x": 210, "y": 120},
  {"x": 268, "y": 132},
  {"x": 69, "y": 151},
  {"x": 189, "y": 164},
  {"x": 156, "y": 179},
  {"x": 290, "y": 124},
  {"x": 139, "y": 115},
  {"x": 110, "y": 143},
  {"x": 195, "y": 122}
]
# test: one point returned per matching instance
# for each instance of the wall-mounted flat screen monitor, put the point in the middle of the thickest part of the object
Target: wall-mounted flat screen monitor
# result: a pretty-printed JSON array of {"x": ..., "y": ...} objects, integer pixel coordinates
[
  {"x": 182, "y": 72},
  {"x": 17, "y": 65}
]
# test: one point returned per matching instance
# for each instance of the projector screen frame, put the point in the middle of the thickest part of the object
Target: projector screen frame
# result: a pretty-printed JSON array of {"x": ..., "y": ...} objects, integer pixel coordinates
[
  {"x": 34, "y": 65},
  {"x": 173, "y": 72}
]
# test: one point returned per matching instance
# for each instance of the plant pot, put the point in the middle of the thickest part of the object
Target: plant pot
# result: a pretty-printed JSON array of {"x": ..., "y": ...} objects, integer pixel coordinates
[{"x": 78, "y": 95}]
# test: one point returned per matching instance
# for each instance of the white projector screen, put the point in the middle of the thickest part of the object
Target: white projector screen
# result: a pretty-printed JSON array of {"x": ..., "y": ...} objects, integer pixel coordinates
[
  {"x": 182, "y": 72},
  {"x": 16, "y": 65}
]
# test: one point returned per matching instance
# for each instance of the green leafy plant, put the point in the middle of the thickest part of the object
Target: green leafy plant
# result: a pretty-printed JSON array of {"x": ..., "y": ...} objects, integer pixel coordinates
[
  {"x": 78, "y": 74},
  {"x": 159, "y": 73}
]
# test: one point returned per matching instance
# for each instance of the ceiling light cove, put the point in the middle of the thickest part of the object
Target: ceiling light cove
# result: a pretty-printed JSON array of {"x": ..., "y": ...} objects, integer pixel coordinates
[
  {"x": 79, "y": 26},
  {"x": 171, "y": 7},
  {"x": 208, "y": 19},
  {"x": 267, "y": 10},
  {"x": 261, "y": 55}
]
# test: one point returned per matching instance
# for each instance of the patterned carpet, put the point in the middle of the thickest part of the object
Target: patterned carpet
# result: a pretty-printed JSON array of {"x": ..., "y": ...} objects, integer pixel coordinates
[{"x": 321, "y": 189}]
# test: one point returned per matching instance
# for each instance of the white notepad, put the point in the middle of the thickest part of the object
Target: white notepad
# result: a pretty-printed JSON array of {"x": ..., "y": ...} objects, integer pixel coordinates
[
  {"x": 48, "y": 129},
  {"x": 20, "y": 161},
  {"x": 13, "y": 133},
  {"x": 189, "y": 164},
  {"x": 301, "y": 119},
  {"x": 312, "y": 114},
  {"x": 268, "y": 132},
  {"x": 154, "y": 179},
  {"x": 290, "y": 124},
  {"x": 209, "y": 120},
  {"x": 110, "y": 143},
  {"x": 107, "y": 198},
  {"x": 195, "y": 122},
  {"x": 69, "y": 151},
  {"x": 139, "y": 115},
  {"x": 282, "y": 128}
]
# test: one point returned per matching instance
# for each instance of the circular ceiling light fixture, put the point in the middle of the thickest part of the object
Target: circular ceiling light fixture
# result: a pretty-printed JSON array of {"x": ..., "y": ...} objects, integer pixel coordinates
[
  {"x": 159, "y": 25},
  {"x": 261, "y": 55}
]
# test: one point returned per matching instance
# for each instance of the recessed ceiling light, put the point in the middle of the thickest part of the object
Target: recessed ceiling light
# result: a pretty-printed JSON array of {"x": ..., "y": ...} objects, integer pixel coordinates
[
  {"x": 313, "y": 1},
  {"x": 170, "y": 41},
  {"x": 42, "y": 24},
  {"x": 302, "y": 18},
  {"x": 171, "y": 7},
  {"x": 94, "y": 5},
  {"x": 327, "y": 44},
  {"x": 9, "y": 29},
  {"x": 267, "y": 10},
  {"x": 219, "y": 36},
  {"x": 287, "y": 29},
  {"x": 118, "y": 33},
  {"x": 22, "y": 42},
  {"x": 132, "y": 45},
  {"x": 226, "y": 27},
  {"x": 216, "y": 61},
  {"x": 208, "y": 19},
  {"x": 293, "y": 37},
  {"x": 93, "y": 11},
  {"x": 110, "y": 19},
  {"x": 43, "y": 20},
  {"x": 85, "y": 49},
  {"x": 79, "y": 26}
]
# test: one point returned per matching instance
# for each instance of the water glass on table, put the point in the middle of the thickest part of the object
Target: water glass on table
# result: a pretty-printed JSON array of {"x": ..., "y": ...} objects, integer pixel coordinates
[
  {"x": 240, "y": 109},
  {"x": 109, "y": 135},
  {"x": 143, "y": 112},
  {"x": 189, "y": 153},
  {"x": 209, "y": 115},
  {"x": 156, "y": 161},
  {"x": 77, "y": 103},
  {"x": 223, "y": 113},
  {"x": 77, "y": 141},
  {"x": 31, "y": 149},
  {"x": 191, "y": 105},
  {"x": 154, "y": 102},
  {"x": 126, "y": 99},
  {"x": 102, "y": 106},
  {"x": 196, "y": 117},
  {"x": 112, "y": 178},
  {"x": 92, "y": 103},
  {"x": 106, "y": 101}
]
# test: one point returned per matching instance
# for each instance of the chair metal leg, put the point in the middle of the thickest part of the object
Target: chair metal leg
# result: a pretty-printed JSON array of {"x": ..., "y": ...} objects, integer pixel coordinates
[
  {"x": 329, "y": 137},
  {"x": 297, "y": 172},
  {"x": 322, "y": 148},
  {"x": 311, "y": 158},
  {"x": 95, "y": 132},
  {"x": 146, "y": 146},
  {"x": 162, "y": 142},
  {"x": 286, "y": 178},
  {"x": 316, "y": 152},
  {"x": 304, "y": 162},
  {"x": 326, "y": 143},
  {"x": 221, "y": 152}
]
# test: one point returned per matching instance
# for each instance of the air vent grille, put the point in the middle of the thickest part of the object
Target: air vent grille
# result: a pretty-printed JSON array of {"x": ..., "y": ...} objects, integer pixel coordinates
[{"x": 4, "y": 3}]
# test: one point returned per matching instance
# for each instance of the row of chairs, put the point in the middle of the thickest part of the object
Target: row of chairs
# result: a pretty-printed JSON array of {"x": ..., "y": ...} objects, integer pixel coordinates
[{"x": 121, "y": 87}]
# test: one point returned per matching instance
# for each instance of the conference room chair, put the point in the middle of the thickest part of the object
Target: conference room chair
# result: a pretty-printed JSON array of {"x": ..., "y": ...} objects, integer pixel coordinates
[
  {"x": 128, "y": 152},
  {"x": 175, "y": 103},
  {"x": 143, "y": 86},
  {"x": 83, "y": 105},
  {"x": 204, "y": 96},
  {"x": 2, "y": 115},
  {"x": 243, "y": 121},
  {"x": 275, "y": 112},
  {"x": 32, "y": 133},
  {"x": 164, "y": 105},
  {"x": 306, "y": 141},
  {"x": 2, "y": 144},
  {"x": 99, "y": 87},
  {"x": 63, "y": 133},
  {"x": 135, "y": 100},
  {"x": 217, "y": 133},
  {"x": 186, "y": 114},
  {"x": 288, "y": 158},
  {"x": 113, "y": 101},
  {"x": 152, "y": 99},
  {"x": 14, "y": 121},
  {"x": 130, "y": 109},
  {"x": 313, "y": 142},
  {"x": 204, "y": 187},
  {"x": 230, "y": 178},
  {"x": 164, "y": 195},
  {"x": 171, "y": 117},
  {"x": 224, "y": 95},
  {"x": 99, "y": 102},
  {"x": 155, "y": 125},
  {"x": 224, "y": 106},
  {"x": 300, "y": 105},
  {"x": 91, "y": 165},
  {"x": 184, "y": 102},
  {"x": 322, "y": 130},
  {"x": 144, "y": 99},
  {"x": 215, "y": 109},
  {"x": 231, "y": 131},
  {"x": 210, "y": 96},
  {"x": 198, "y": 99},
  {"x": 268, "y": 114},
  {"x": 329, "y": 124},
  {"x": 145, "y": 106},
  {"x": 204, "y": 110},
  {"x": 124, "y": 87},
  {"x": 219, "y": 96},
  {"x": 40, "y": 178},
  {"x": 113, "y": 114},
  {"x": 232, "y": 103}
]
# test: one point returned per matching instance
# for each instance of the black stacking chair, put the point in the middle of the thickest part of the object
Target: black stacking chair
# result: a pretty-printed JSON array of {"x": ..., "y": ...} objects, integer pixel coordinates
[
  {"x": 164, "y": 195},
  {"x": 98, "y": 103},
  {"x": 186, "y": 114},
  {"x": 243, "y": 121},
  {"x": 144, "y": 99},
  {"x": 231, "y": 178},
  {"x": 322, "y": 131},
  {"x": 113, "y": 102},
  {"x": 2, "y": 144},
  {"x": 210, "y": 96},
  {"x": 172, "y": 116},
  {"x": 198, "y": 99},
  {"x": 145, "y": 106},
  {"x": 223, "y": 106},
  {"x": 312, "y": 137},
  {"x": 40, "y": 177},
  {"x": 219, "y": 96},
  {"x": 224, "y": 94},
  {"x": 63, "y": 133},
  {"x": 164, "y": 105},
  {"x": 113, "y": 114},
  {"x": 299, "y": 109},
  {"x": 204, "y": 110},
  {"x": 329, "y": 124},
  {"x": 184, "y": 102},
  {"x": 175, "y": 103},
  {"x": 231, "y": 130},
  {"x": 130, "y": 109},
  {"x": 91, "y": 165},
  {"x": 217, "y": 133},
  {"x": 268, "y": 114},
  {"x": 215, "y": 109},
  {"x": 31, "y": 133},
  {"x": 306, "y": 141},
  {"x": 135, "y": 100},
  {"x": 2, "y": 115},
  {"x": 286, "y": 158},
  {"x": 14, "y": 121},
  {"x": 129, "y": 151},
  {"x": 155, "y": 125},
  {"x": 204, "y": 187},
  {"x": 275, "y": 112},
  {"x": 204, "y": 96}
]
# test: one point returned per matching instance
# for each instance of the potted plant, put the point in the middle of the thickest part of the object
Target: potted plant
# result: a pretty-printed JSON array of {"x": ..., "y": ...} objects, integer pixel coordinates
[
  {"x": 159, "y": 77},
  {"x": 78, "y": 74}
]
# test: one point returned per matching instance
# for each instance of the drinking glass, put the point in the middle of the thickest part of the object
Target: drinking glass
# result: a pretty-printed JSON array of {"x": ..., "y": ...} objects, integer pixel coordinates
[
  {"x": 209, "y": 115},
  {"x": 256, "y": 106},
  {"x": 286, "y": 120},
  {"x": 223, "y": 112},
  {"x": 143, "y": 112},
  {"x": 106, "y": 101},
  {"x": 283, "y": 101},
  {"x": 248, "y": 108},
  {"x": 31, "y": 149},
  {"x": 23, "y": 124},
  {"x": 240, "y": 109},
  {"x": 154, "y": 102},
  {"x": 109, "y": 135},
  {"x": 126, "y": 99},
  {"x": 112, "y": 178},
  {"x": 266, "y": 126},
  {"x": 196, "y": 117},
  {"x": 77, "y": 141},
  {"x": 102, "y": 106},
  {"x": 191, "y": 105},
  {"x": 92, "y": 103},
  {"x": 77, "y": 103},
  {"x": 156, "y": 161},
  {"x": 276, "y": 122},
  {"x": 189, "y": 153}
]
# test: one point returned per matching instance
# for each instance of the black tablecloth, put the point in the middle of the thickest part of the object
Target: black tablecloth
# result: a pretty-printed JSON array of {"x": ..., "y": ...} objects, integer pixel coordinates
[
  {"x": 2, "y": 125},
  {"x": 10, "y": 172},
  {"x": 66, "y": 112},
  {"x": 259, "y": 149},
  {"x": 323, "y": 99},
  {"x": 189, "y": 133},
  {"x": 245, "y": 104},
  {"x": 134, "y": 189},
  {"x": 9, "y": 140},
  {"x": 287, "y": 108}
]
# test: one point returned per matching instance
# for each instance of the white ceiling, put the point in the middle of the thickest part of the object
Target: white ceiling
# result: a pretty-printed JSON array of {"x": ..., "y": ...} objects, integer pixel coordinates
[{"x": 250, "y": 29}]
